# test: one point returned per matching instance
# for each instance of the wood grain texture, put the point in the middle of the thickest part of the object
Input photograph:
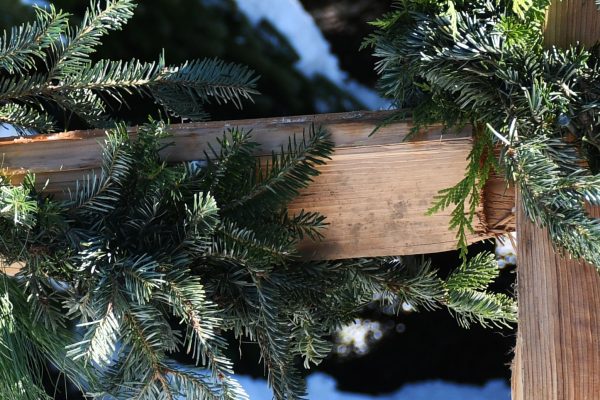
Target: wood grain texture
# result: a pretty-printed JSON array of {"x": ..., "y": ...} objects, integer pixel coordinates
[
  {"x": 374, "y": 191},
  {"x": 376, "y": 197},
  {"x": 572, "y": 21},
  {"x": 558, "y": 343},
  {"x": 499, "y": 206},
  {"x": 557, "y": 355}
]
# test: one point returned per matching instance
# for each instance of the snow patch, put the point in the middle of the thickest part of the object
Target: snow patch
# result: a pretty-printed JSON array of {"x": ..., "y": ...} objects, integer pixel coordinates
[
  {"x": 7, "y": 130},
  {"x": 291, "y": 19},
  {"x": 323, "y": 387}
]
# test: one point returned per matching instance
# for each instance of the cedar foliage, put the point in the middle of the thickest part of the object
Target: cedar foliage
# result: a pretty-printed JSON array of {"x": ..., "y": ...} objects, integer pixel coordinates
[
  {"x": 482, "y": 62},
  {"x": 144, "y": 259}
]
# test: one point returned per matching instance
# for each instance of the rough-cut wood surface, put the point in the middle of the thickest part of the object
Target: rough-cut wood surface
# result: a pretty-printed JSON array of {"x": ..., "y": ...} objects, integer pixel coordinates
[
  {"x": 557, "y": 355},
  {"x": 376, "y": 198},
  {"x": 558, "y": 343},
  {"x": 374, "y": 191},
  {"x": 572, "y": 21},
  {"x": 499, "y": 206}
]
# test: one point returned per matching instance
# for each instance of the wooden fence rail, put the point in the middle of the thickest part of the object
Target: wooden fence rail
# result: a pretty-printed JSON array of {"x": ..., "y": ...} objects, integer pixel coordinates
[{"x": 374, "y": 191}]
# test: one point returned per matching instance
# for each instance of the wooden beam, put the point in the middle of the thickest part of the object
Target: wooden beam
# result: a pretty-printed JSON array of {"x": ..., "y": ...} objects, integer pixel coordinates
[
  {"x": 374, "y": 191},
  {"x": 557, "y": 355},
  {"x": 558, "y": 342}
]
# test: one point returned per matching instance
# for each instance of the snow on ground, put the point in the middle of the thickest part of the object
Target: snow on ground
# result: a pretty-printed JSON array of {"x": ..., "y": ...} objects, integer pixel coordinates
[
  {"x": 7, "y": 130},
  {"x": 291, "y": 19},
  {"x": 322, "y": 387},
  {"x": 506, "y": 253}
]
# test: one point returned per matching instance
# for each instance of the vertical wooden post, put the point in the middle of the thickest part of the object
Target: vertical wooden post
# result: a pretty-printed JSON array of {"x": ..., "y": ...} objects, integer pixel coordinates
[
  {"x": 572, "y": 21},
  {"x": 557, "y": 355},
  {"x": 558, "y": 343}
]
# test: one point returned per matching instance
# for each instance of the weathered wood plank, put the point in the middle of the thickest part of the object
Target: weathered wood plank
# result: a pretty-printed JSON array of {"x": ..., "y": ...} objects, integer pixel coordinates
[
  {"x": 557, "y": 355},
  {"x": 374, "y": 191},
  {"x": 572, "y": 21},
  {"x": 46, "y": 153},
  {"x": 376, "y": 197},
  {"x": 558, "y": 342}
]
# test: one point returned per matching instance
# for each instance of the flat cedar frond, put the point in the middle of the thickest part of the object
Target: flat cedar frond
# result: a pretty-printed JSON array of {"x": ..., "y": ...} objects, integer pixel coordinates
[{"x": 465, "y": 196}]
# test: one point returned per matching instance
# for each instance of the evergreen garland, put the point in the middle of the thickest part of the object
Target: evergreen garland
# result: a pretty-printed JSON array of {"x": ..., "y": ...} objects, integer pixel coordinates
[
  {"x": 482, "y": 62},
  {"x": 144, "y": 259}
]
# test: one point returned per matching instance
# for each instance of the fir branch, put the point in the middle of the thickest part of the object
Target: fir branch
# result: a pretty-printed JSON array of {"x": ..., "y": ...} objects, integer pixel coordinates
[
  {"x": 485, "y": 64},
  {"x": 187, "y": 298},
  {"x": 79, "y": 86},
  {"x": 243, "y": 244},
  {"x": 227, "y": 168},
  {"x": 26, "y": 44},
  {"x": 72, "y": 53},
  {"x": 467, "y": 297},
  {"x": 205, "y": 80},
  {"x": 310, "y": 343},
  {"x": 278, "y": 182},
  {"x": 25, "y": 118},
  {"x": 273, "y": 338},
  {"x": 98, "y": 195},
  {"x": 100, "y": 341},
  {"x": 17, "y": 206},
  {"x": 555, "y": 198},
  {"x": 473, "y": 306},
  {"x": 305, "y": 224}
]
